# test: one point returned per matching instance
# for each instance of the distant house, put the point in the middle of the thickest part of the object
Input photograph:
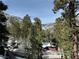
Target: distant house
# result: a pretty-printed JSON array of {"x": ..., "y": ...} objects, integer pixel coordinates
[{"x": 50, "y": 51}]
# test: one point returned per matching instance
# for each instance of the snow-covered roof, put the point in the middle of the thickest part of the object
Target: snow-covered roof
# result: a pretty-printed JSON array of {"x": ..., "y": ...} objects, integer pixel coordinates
[{"x": 47, "y": 44}]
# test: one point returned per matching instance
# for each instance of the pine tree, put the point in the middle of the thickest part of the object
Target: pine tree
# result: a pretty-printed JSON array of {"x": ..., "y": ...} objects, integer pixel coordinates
[
  {"x": 3, "y": 32},
  {"x": 36, "y": 39},
  {"x": 70, "y": 7},
  {"x": 63, "y": 36}
]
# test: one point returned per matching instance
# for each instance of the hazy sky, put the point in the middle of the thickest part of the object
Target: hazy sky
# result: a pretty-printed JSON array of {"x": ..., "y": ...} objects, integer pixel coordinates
[{"x": 34, "y": 8}]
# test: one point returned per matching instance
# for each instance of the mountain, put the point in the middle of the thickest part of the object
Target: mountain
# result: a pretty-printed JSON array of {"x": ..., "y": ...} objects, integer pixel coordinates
[
  {"x": 49, "y": 26},
  {"x": 12, "y": 17}
]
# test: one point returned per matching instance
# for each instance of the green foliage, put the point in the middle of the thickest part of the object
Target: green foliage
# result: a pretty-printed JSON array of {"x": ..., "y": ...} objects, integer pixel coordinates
[
  {"x": 3, "y": 31},
  {"x": 70, "y": 7},
  {"x": 26, "y": 26},
  {"x": 62, "y": 35},
  {"x": 30, "y": 33},
  {"x": 59, "y": 4},
  {"x": 2, "y": 6},
  {"x": 37, "y": 24},
  {"x": 14, "y": 28},
  {"x": 37, "y": 39}
]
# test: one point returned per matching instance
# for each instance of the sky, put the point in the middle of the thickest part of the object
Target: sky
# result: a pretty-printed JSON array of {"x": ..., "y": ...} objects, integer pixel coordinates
[{"x": 34, "y": 8}]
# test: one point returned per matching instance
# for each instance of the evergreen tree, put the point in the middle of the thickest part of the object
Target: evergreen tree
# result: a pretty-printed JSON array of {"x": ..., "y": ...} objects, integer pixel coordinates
[
  {"x": 26, "y": 26},
  {"x": 14, "y": 28},
  {"x": 3, "y": 32},
  {"x": 70, "y": 7},
  {"x": 37, "y": 24},
  {"x": 36, "y": 39},
  {"x": 26, "y": 35},
  {"x": 62, "y": 34}
]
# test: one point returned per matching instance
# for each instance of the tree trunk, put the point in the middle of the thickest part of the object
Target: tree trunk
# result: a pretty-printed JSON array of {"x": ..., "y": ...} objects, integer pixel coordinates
[
  {"x": 73, "y": 26},
  {"x": 75, "y": 46}
]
